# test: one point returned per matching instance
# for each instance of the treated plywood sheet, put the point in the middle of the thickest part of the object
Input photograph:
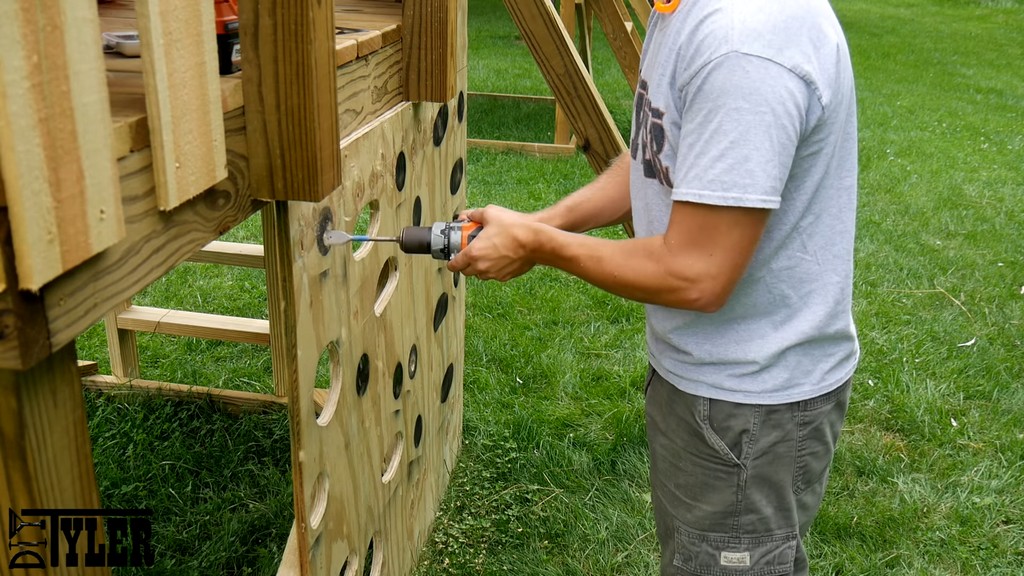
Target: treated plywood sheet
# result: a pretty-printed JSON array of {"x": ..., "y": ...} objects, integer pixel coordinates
[
  {"x": 371, "y": 466},
  {"x": 60, "y": 178}
]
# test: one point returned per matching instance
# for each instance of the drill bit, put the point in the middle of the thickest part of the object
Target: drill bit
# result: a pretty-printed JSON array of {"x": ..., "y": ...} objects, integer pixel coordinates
[{"x": 340, "y": 238}]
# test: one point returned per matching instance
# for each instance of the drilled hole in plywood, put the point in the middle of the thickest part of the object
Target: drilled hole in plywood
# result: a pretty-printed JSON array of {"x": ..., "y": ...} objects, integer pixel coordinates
[
  {"x": 363, "y": 375},
  {"x": 349, "y": 567},
  {"x": 394, "y": 457},
  {"x": 400, "y": 171},
  {"x": 414, "y": 357},
  {"x": 386, "y": 284},
  {"x": 446, "y": 383},
  {"x": 440, "y": 311},
  {"x": 417, "y": 435},
  {"x": 372, "y": 563},
  {"x": 397, "y": 381},
  {"x": 455, "y": 180},
  {"x": 366, "y": 224},
  {"x": 417, "y": 211},
  {"x": 318, "y": 501},
  {"x": 328, "y": 377}
]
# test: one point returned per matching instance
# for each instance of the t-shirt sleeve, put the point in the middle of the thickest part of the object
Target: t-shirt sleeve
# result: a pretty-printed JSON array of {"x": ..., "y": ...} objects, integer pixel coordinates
[{"x": 742, "y": 117}]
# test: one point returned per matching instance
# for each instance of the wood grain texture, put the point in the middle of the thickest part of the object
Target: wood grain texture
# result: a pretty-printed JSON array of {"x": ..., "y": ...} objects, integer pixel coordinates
[
  {"x": 156, "y": 241},
  {"x": 24, "y": 339},
  {"x": 181, "y": 75},
  {"x": 234, "y": 401},
  {"x": 45, "y": 453},
  {"x": 622, "y": 37},
  {"x": 288, "y": 54},
  {"x": 560, "y": 63},
  {"x": 368, "y": 87},
  {"x": 195, "y": 325},
  {"x": 530, "y": 148},
  {"x": 60, "y": 180},
  {"x": 643, "y": 11},
  {"x": 363, "y": 472},
  {"x": 122, "y": 345},
  {"x": 230, "y": 254},
  {"x": 430, "y": 35}
]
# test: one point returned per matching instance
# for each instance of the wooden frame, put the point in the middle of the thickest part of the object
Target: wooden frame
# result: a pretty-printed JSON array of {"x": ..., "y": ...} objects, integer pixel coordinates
[{"x": 329, "y": 137}]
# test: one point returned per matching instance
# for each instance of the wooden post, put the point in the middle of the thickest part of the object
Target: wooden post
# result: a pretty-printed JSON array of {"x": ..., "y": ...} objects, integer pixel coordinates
[
  {"x": 569, "y": 79},
  {"x": 122, "y": 345},
  {"x": 288, "y": 54},
  {"x": 430, "y": 49},
  {"x": 56, "y": 138},
  {"x": 45, "y": 453}
]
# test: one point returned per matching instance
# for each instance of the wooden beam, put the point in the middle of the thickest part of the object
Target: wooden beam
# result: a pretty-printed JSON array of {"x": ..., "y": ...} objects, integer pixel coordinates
[
  {"x": 156, "y": 241},
  {"x": 183, "y": 97},
  {"x": 122, "y": 345},
  {"x": 622, "y": 36},
  {"x": 45, "y": 453},
  {"x": 531, "y": 148},
  {"x": 643, "y": 11},
  {"x": 234, "y": 401},
  {"x": 288, "y": 54},
  {"x": 230, "y": 254},
  {"x": 56, "y": 140},
  {"x": 559, "y": 62},
  {"x": 195, "y": 325},
  {"x": 430, "y": 35}
]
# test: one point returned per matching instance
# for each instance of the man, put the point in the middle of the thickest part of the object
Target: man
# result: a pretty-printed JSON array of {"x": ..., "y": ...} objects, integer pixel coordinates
[{"x": 741, "y": 183}]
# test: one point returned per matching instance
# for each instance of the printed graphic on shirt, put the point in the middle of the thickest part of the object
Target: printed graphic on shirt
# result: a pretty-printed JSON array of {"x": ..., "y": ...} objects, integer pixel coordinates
[{"x": 649, "y": 137}]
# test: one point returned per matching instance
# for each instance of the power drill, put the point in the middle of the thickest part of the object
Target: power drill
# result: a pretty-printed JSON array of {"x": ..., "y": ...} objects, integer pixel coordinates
[
  {"x": 229, "y": 47},
  {"x": 443, "y": 240}
]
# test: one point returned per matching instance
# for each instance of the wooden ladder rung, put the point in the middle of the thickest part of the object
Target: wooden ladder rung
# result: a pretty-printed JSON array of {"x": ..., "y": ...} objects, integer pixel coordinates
[
  {"x": 195, "y": 324},
  {"x": 232, "y": 400},
  {"x": 230, "y": 254}
]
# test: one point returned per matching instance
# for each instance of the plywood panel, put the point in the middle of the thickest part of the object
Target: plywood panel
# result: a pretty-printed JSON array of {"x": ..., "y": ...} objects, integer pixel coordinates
[
  {"x": 60, "y": 179},
  {"x": 376, "y": 463},
  {"x": 180, "y": 70}
]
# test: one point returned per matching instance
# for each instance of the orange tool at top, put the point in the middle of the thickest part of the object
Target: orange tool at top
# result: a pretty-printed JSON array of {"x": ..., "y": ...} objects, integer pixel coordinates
[
  {"x": 667, "y": 7},
  {"x": 229, "y": 47}
]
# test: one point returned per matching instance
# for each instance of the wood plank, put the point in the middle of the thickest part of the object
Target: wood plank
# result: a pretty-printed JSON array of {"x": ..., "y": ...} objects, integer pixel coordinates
[
  {"x": 195, "y": 325},
  {"x": 529, "y": 98},
  {"x": 288, "y": 54},
  {"x": 88, "y": 368},
  {"x": 234, "y": 401},
  {"x": 290, "y": 565},
  {"x": 45, "y": 453},
  {"x": 430, "y": 37},
  {"x": 368, "y": 87},
  {"x": 562, "y": 67},
  {"x": 643, "y": 11},
  {"x": 122, "y": 345},
  {"x": 181, "y": 72},
  {"x": 230, "y": 254},
  {"x": 531, "y": 148},
  {"x": 156, "y": 241},
  {"x": 60, "y": 179},
  {"x": 622, "y": 37}
]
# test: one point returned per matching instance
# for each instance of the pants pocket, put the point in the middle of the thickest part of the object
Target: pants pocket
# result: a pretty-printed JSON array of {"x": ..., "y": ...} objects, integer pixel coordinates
[
  {"x": 721, "y": 555},
  {"x": 819, "y": 422}
]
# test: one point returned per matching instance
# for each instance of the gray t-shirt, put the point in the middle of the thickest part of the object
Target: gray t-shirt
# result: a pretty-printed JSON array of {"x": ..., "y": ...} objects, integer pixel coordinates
[{"x": 752, "y": 104}]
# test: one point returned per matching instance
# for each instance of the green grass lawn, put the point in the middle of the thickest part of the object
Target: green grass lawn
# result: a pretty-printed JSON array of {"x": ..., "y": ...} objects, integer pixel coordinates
[{"x": 929, "y": 476}]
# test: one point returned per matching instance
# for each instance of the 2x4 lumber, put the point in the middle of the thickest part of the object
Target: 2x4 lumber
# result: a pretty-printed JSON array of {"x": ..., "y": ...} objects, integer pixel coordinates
[
  {"x": 622, "y": 37},
  {"x": 531, "y": 148},
  {"x": 552, "y": 48},
  {"x": 430, "y": 34},
  {"x": 368, "y": 87},
  {"x": 642, "y": 9},
  {"x": 156, "y": 241},
  {"x": 181, "y": 72},
  {"x": 288, "y": 54},
  {"x": 88, "y": 368},
  {"x": 45, "y": 453},
  {"x": 234, "y": 401},
  {"x": 122, "y": 345},
  {"x": 195, "y": 325},
  {"x": 230, "y": 254},
  {"x": 60, "y": 179}
]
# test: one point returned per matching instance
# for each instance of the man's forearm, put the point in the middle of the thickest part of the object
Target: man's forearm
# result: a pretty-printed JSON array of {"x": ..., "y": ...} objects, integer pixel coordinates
[{"x": 603, "y": 202}]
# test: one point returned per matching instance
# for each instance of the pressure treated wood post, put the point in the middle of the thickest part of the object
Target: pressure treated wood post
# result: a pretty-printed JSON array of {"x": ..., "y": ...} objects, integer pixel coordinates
[
  {"x": 45, "y": 453},
  {"x": 430, "y": 38},
  {"x": 291, "y": 109}
]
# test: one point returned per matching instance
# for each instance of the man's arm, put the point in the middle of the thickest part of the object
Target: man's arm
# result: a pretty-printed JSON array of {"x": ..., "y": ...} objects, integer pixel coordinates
[
  {"x": 695, "y": 265},
  {"x": 603, "y": 202}
]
